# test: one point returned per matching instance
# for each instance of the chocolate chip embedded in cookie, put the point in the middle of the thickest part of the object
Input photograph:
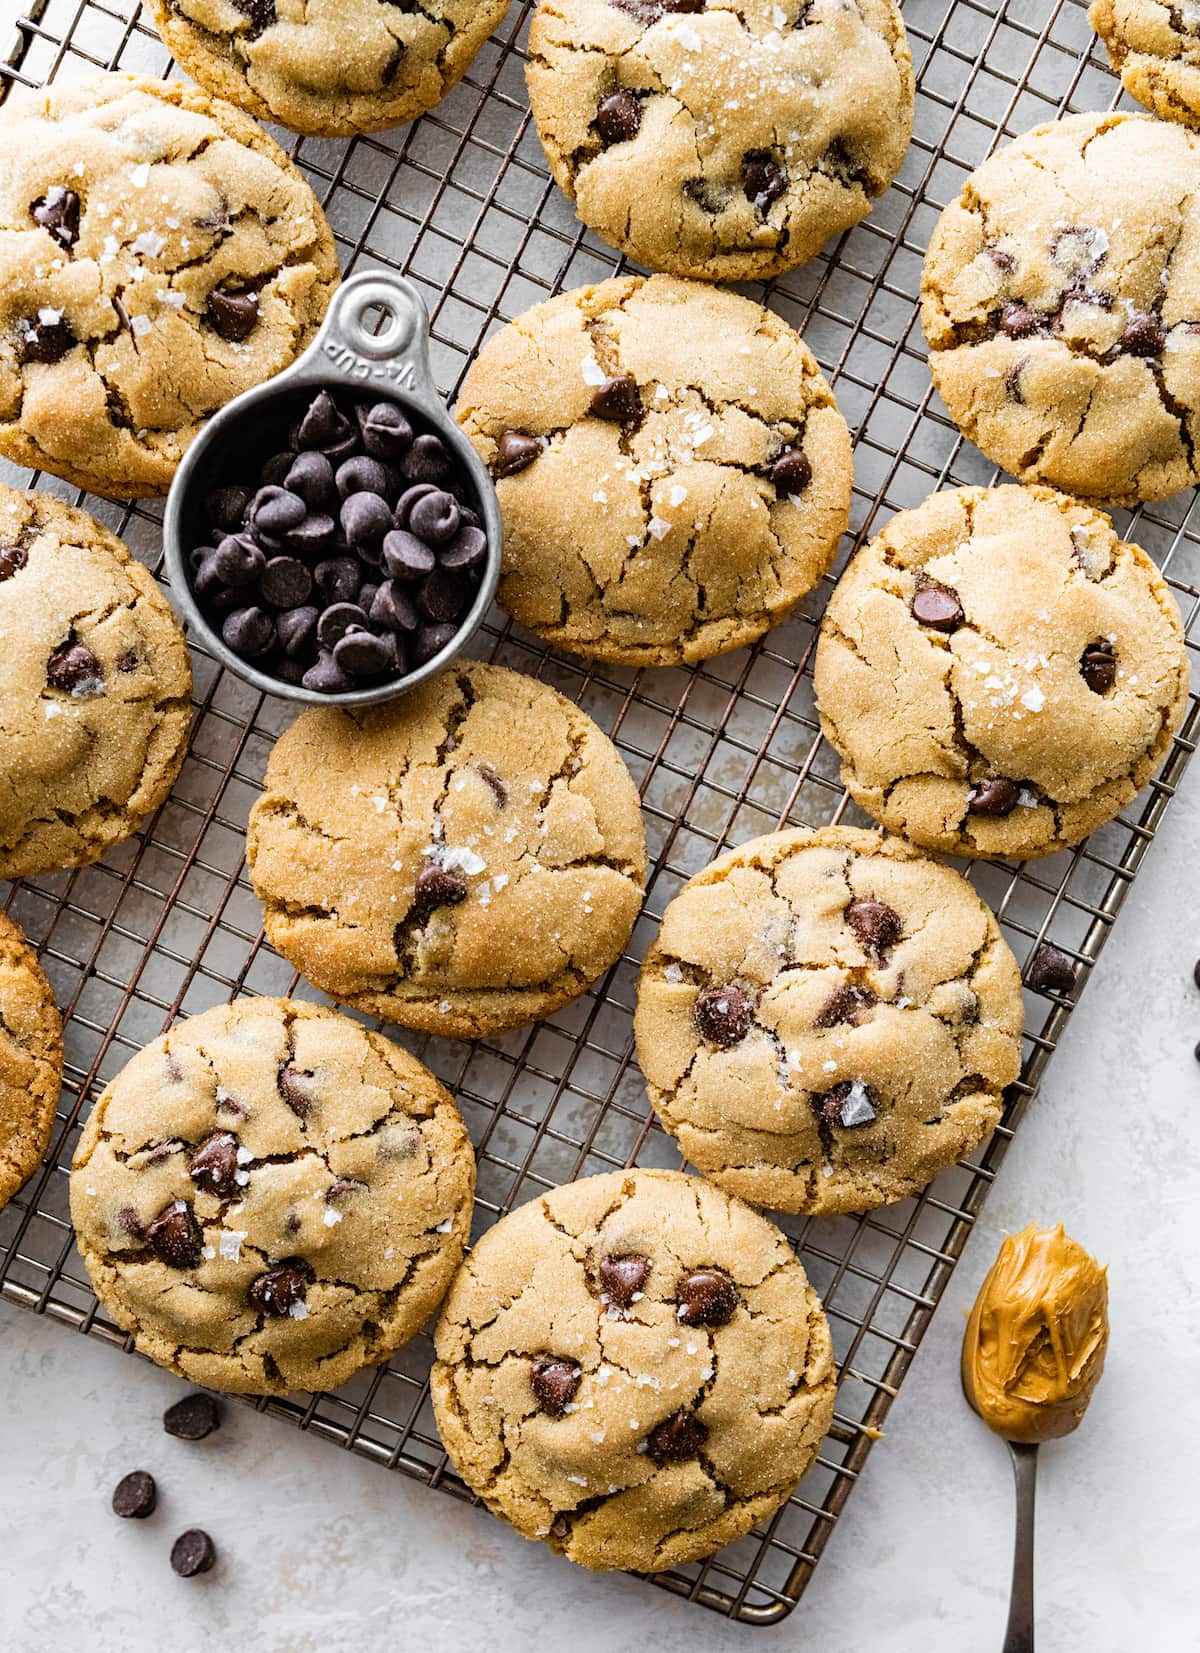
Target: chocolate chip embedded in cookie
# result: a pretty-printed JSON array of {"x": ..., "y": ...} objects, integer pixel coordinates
[
  {"x": 1044, "y": 710},
  {"x": 160, "y": 255},
  {"x": 327, "y": 1244},
  {"x": 1155, "y": 48},
  {"x": 461, "y": 861},
  {"x": 672, "y": 469},
  {"x": 31, "y": 1060},
  {"x": 650, "y": 1437},
  {"x": 724, "y": 144},
  {"x": 1063, "y": 327},
  {"x": 884, "y": 1026},
  {"x": 95, "y": 684}
]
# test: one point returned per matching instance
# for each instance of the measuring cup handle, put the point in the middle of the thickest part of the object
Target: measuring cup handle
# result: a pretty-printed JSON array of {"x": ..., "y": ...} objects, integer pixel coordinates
[{"x": 375, "y": 334}]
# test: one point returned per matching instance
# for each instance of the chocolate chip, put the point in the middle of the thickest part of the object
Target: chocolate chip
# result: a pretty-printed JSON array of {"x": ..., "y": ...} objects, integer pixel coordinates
[
  {"x": 386, "y": 433},
  {"x": 498, "y": 789},
  {"x": 175, "y": 1236},
  {"x": 1098, "y": 664},
  {"x": 622, "y": 1278},
  {"x": 554, "y": 1384},
  {"x": 428, "y": 461},
  {"x": 237, "y": 560},
  {"x": 130, "y": 1223},
  {"x": 435, "y": 517},
  {"x": 366, "y": 518},
  {"x": 850, "y": 1104},
  {"x": 437, "y": 887},
  {"x": 193, "y": 1418},
  {"x": 310, "y": 476},
  {"x": 295, "y": 1087},
  {"x": 339, "y": 579},
  {"x": 234, "y": 315},
  {"x": 763, "y": 179},
  {"x": 515, "y": 451},
  {"x": 405, "y": 556},
  {"x": 194, "y": 1551},
  {"x": 323, "y": 425},
  {"x": 466, "y": 552},
  {"x": 408, "y": 499},
  {"x": 275, "y": 511},
  {"x": 617, "y": 399},
  {"x": 343, "y": 1188},
  {"x": 286, "y": 582},
  {"x": 429, "y": 641},
  {"x": 276, "y": 469},
  {"x": 363, "y": 475},
  {"x": 392, "y": 606},
  {"x": 678, "y": 1437},
  {"x": 706, "y": 1297},
  {"x": 363, "y": 654},
  {"x": 135, "y": 1496},
  {"x": 12, "y": 559},
  {"x": 337, "y": 620},
  {"x": 58, "y": 212},
  {"x": 1196, "y": 972},
  {"x": 938, "y": 607},
  {"x": 993, "y": 796},
  {"x": 1018, "y": 321},
  {"x": 1012, "y": 379},
  {"x": 46, "y": 338},
  {"x": 296, "y": 629},
  {"x": 1000, "y": 258},
  {"x": 213, "y": 1165},
  {"x": 327, "y": 677},
  {"x": 845, "y": 1005},
  {"x": 1143, "y": 336},
  {"x": 76, "y": 670},
  {"x": 249, "y": 632},
  {"x": 282, "y": 1288},
  {"x": 442, "y": 595},
  {"x": 791, "y": 472},
  {"x": 724, "y": 1014},
  {"x": 876, "y": 925},
  {"x": 618, "y": 117},
  {"x": 1050, "y": 971}
]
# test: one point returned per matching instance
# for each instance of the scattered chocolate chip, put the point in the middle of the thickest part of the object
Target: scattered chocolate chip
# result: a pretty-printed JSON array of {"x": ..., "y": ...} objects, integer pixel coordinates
[
  {"x": 1018, "y": 321},
  {"x": 12, "y": 559},
  {"x": 677, "y": 1437},
  {"x": 515, "y": 451},
  {"x": 282, "y": 1288},
  {"x": 339, "y": 619},
  {"x": 323, "y": 425},
  {"x": 849, "y": 1104},
  {"x": 310, "y": 477},
  {"x": 876, "y": 925},
  {"x": 58, "y": 212},
  {"x": 175, "y": 1236},
  {"x": 724, "y": 1014},
  {"x": 938, "y": 607},
  {"x": 76, "y": 670},
  {"x": 194, "y": 1551},
  {"x": 1050, "y": 971},
  {"x": 618, "y": 400},
  {"x": 1098, "y": 664},
  {"x": 274, "y": 511},
  {"x": 1144, "y": 335},
  {"x": 763, "y": 179},
  {"x": 1012, "y": 379},
  {"x": 46, "y": 338},
  {"x": 555, "y": 1384},
  {"x": 192, "y": 1418},
  {"x": 1196, "y": 972},
  {"x": 993, "y": 796},
  {"x": 618, "y": 117},
  {"x": 622, "y": 1278},
  {"x": 844, "y": 1005},
  {"x": 234, "y": 315},
  {"x": 791, "y": 472},
  {"x": 437, "y": 887},
  {"x": 295, "y": 1087},
  {"x": 706, "y": 1297},
  {"x": 213, "y": 1165},
  {"x": 135, "y": 1496}
]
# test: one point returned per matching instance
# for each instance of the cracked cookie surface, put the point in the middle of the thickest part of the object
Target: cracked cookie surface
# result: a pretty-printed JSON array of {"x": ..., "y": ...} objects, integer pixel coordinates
[
  {"x": 686, "y": 472},
  {"x": 31, "y": 1060},
  {"x": 329, "y": 67},
  {"x": 828, "y": 1019},
  {"x": 1061, "y": 302},
  {"x": 999, "y": 673},
  {"x": 633, "y": 1368},
  {"x": 728, "y": 140},
  {"x": 94, "y": 688},
  {"x": 269, "y": 1197},
  {"x": 160, "y": 255},
  {"x": 1155, "y": 48},
  {"x": 462, "y": 861}
]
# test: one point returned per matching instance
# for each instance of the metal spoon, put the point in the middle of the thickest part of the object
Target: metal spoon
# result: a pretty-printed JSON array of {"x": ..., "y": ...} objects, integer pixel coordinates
[{"x": 1018, "y": 1633}]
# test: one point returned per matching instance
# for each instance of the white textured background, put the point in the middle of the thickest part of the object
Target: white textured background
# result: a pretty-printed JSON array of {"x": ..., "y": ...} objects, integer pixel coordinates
[{"x": 321, "y": 1552}]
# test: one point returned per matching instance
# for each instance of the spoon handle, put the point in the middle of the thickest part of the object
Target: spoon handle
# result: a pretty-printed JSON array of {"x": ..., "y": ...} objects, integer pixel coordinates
[{"x": 1018, "y": 1637}]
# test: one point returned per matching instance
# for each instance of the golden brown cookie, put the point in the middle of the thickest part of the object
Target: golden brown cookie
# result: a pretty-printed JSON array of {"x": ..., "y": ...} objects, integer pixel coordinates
[
  {"x": 463, "y": 860},
  {"x": 673, "y": 471},
  {"x": 270, "y": 1197},
  {"x": 633, "y": 1368},
  {"x": 31, "y": 1060},
  {"x": 1155, "y": 48}
]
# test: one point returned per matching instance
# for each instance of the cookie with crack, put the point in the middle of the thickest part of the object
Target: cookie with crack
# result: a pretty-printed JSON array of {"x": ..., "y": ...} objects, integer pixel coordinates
[
  {"x": 461, "y": 861},
  {"x": 160, "y": 255},
  {"x": 672, "y": 469},
  {"x": 726, "y": 141},
  {"x": 828, "y": 1019},
  {"x": 95, "y": 682},
  {"x": 1061, "y": 302},
  {"x": 633, "y": 1368},
  {"x": 1155, "y": 48},
  {"x": 999, "y": 673},
  {"x": 328, "y": 67},
  {"x": 270, "y": 1197},
  {"x": 31, "y": 1060}
]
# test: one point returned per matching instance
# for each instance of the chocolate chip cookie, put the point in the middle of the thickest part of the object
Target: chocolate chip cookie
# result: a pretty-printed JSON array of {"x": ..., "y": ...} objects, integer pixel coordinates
[
  {"x": 1155, "y": 48},
  {"x": 95, "y": 685},
  {"x": 330, "y": 67},
  {"x": 1061, "y": 302},
  {"x": 827, "y": 1020},
  {"x": 270, "y": 1197},
  {"x": 672, "y": 469},
  {"x": 31, "y": 1060},
  {"x": 460, "y": 861},
  {"x": 633, "y": 1368},
  {"x": 724, "y": 142},
  {"x": 999, "y": 673},
  {"x": 160, "y": 255}
]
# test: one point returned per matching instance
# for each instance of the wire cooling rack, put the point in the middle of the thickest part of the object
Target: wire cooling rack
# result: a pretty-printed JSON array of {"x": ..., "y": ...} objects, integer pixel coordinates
[{"x": 167, "y": 925}]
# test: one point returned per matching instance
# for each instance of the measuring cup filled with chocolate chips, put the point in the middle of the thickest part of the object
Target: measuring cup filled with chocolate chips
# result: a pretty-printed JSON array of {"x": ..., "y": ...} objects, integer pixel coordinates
[{"x": 331, "y": 535}]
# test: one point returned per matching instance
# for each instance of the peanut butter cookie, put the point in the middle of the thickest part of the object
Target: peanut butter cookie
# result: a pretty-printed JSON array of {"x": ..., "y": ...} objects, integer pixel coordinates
[
  {"x": 1155, "y": 48},
  {"x": 31, "y": 1060}
]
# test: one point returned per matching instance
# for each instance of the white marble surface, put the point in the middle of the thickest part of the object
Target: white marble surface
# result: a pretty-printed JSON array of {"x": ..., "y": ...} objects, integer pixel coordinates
[{"x": 321, "y": 1551}]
